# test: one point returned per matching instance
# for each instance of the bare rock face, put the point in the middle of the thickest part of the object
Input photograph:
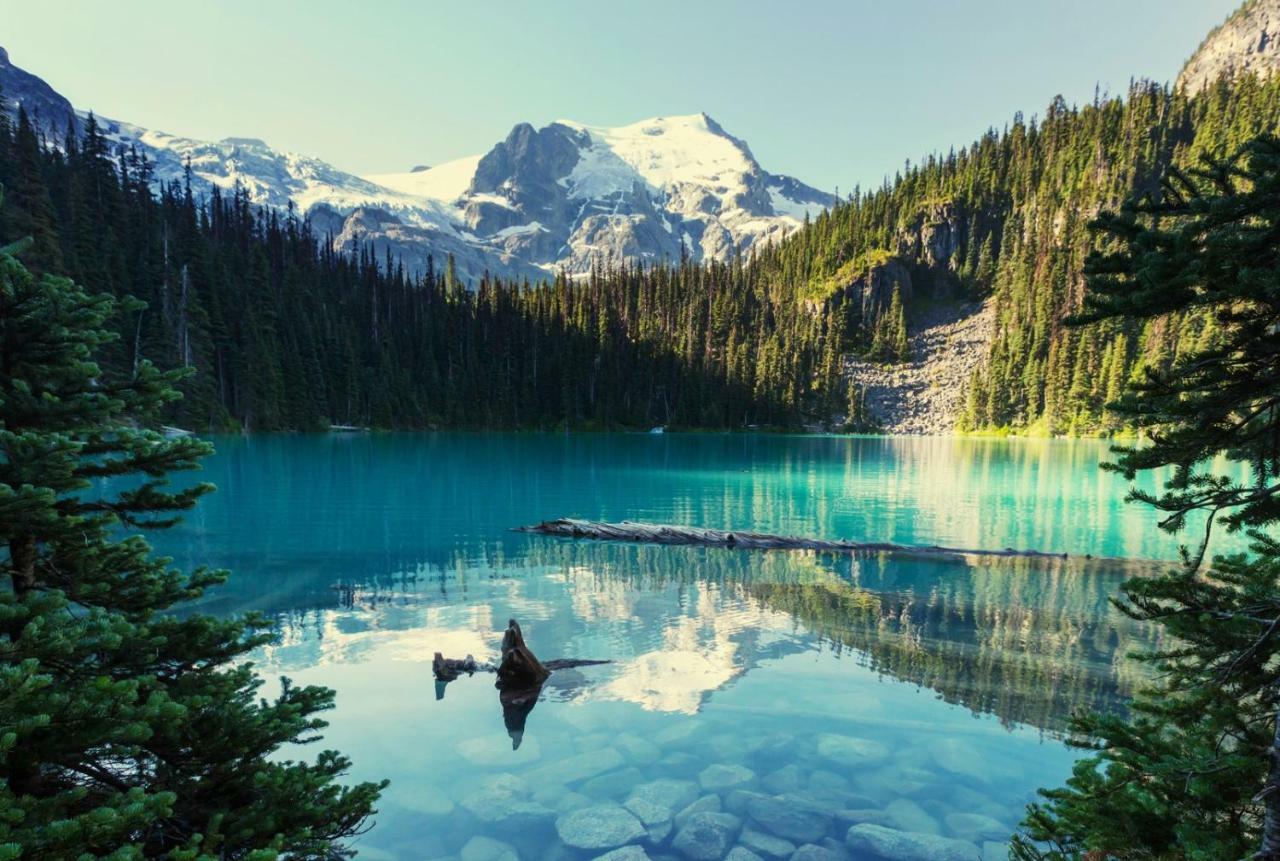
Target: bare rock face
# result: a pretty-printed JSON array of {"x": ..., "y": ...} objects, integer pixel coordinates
[
  {"x": 1245, "y": 43},
  {"x": 49, "y": 110}
]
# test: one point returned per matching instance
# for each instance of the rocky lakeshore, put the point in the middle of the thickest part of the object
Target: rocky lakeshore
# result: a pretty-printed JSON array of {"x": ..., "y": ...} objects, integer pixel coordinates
[{"x": 688, "y": 793}]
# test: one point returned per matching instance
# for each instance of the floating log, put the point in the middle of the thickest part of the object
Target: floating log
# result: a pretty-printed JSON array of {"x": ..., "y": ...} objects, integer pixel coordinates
[
  {"x": 660, "y": 533},
  {"x": 520, "y": 668}
]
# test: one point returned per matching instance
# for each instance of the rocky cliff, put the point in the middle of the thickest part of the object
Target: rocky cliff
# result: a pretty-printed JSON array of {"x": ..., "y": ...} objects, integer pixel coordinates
[{"x": 1245, "y": 43}]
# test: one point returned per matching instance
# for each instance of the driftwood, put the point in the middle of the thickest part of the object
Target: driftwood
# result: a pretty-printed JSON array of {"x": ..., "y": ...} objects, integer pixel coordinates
[
  {"x": 658, "y": 533},
  {"x": 520, "y": 677}
]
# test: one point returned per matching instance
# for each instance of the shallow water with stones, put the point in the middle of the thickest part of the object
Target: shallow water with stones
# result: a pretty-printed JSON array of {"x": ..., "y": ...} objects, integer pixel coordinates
[{"x": 757, "y": 704}]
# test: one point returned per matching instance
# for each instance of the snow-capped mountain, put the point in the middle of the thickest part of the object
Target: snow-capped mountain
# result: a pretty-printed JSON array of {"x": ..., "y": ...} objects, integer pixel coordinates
[{"x": 566, "y": 196}]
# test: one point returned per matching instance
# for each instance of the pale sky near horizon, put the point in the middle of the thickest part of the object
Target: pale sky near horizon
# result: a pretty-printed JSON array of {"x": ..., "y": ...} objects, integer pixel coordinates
[{"x": 835, "y": 93}]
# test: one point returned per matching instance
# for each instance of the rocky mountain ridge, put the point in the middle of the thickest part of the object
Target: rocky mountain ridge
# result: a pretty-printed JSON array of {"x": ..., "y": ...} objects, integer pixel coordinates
[{"x": 564, "y": 197}]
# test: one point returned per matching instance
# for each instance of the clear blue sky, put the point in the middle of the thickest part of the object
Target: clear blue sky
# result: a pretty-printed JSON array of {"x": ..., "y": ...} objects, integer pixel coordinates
[{"x": 832, "y": 92}]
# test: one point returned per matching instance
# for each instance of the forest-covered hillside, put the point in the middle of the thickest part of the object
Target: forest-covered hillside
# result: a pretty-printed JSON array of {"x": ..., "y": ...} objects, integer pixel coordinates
[
  {"x": 286, "y": 334},
  {"x": 1005, "y": 221}
]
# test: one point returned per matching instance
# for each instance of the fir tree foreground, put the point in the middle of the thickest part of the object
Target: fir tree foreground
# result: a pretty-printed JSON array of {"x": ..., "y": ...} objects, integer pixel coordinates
[
  {"x": 1194, "y": 772},
  {"x": 127, "y": 731}
]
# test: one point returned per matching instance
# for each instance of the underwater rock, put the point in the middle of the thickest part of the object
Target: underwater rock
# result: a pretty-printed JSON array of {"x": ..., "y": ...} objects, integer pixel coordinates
[
  {"x": 495, "y": 751},
  {"x": 789, "y": 778},
  {"x": 613, "y": 784},
  {"x": 488, "y": 849},
  {"x": 953, "y": 755},
  {"x": 705, "y": 804},
  {"x": 850, "y": 750},
  {"x": 814, "y": 852},
  {"x": 789, "y": 817},
  {"x": 766, "y": 845},
  {"x": 906, "y": 815},
  {"x": 995, "y": 851},
  {"x": 572, "y": 769},
  {"x": 894, "y": 845},
  {"x": 626, "y": 853},
  {"x": 720, "y": 778},
  {"x": 604, "y": 826},
  {"x": 639, "y": 751},
  {"x": 975, "y": 826},
  {"x": 707, "y": 836},
  {"x": 674, "y": 795}
]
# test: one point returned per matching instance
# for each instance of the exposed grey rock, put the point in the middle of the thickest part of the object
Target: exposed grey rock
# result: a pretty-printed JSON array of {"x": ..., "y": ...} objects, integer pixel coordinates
[
  {"x": 789, "y": 817},
  {"x": 893, "y": 845},
  {"x": 707, "y": 836},
  {"x": 721, "y": 778},
  {"x": 850, "y": 750},
  {"x": 1244, "y": 44},
  {"x": 49, "y": 111},
  {"x": 766, "y": 845},
  {"x": 948, "y": 342},
  {"x": 603, "y": 826}
]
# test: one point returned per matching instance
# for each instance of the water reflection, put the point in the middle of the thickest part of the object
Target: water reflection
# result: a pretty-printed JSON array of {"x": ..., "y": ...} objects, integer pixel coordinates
[{"x": 1028, "y": 640}]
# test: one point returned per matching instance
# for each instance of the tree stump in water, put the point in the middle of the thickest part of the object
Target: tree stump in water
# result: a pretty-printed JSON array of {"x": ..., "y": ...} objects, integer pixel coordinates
[{"x": 520, "y": 668}]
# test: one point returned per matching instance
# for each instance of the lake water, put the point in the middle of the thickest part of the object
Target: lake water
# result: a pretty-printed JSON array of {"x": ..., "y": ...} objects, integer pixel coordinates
[{"x": 787, "y": 696}]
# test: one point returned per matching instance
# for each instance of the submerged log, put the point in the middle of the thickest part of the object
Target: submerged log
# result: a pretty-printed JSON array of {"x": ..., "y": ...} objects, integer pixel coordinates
[{"x": 659, "y": 533}]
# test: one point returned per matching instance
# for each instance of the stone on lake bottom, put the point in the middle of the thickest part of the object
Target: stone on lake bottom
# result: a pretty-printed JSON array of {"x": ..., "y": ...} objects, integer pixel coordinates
[
  {"x": 738, "y": 853},
  {"x": 495, "y": 750},
  {"x": 582, "y": 766},
  {"x": 906, "y": 815},
  {"x": 766, "y": 845},
  {"x": 488, "y": 849},
  {"x": 707, "y": 836},
  {"x": 789, "y": 817},
  {"x": 814, "y": 852},
  {"x": 626, "y": 853},
  {"x": 672, "y": 794},
  {"x": 705, "y": 804},
  {"x": 894, "y": 845},
  {"x": 993, "y": 850},
  {"x": 849, "y": 750},
  {"x": 975, "y": 826},
  {"x": 721, "y": 778},
  {"x": 604, "y": 826}
]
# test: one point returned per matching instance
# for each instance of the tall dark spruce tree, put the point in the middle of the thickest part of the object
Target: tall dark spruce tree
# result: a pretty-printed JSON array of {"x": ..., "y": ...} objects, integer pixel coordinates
[
  {"x": 127, "y": 731},
  {"x": 1194, "y": 772}
]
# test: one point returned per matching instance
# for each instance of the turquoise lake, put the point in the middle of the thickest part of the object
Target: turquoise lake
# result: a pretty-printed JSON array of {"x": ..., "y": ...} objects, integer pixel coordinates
[{"x": 757, "y": 702}]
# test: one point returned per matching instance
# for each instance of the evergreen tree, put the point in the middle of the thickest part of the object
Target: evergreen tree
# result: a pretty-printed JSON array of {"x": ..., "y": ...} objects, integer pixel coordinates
[
  {"x": 1195, "y": 771},
  {"x": 127, "y": 731}
]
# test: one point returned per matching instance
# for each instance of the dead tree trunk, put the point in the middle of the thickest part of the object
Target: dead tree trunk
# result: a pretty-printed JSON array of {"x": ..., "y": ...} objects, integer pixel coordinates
[{"x": 660, "y": 533}]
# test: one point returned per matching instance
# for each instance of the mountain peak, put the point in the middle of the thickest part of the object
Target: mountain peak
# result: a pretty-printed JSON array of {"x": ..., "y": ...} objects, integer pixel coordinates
[{"x": 1246, "y": 43}]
